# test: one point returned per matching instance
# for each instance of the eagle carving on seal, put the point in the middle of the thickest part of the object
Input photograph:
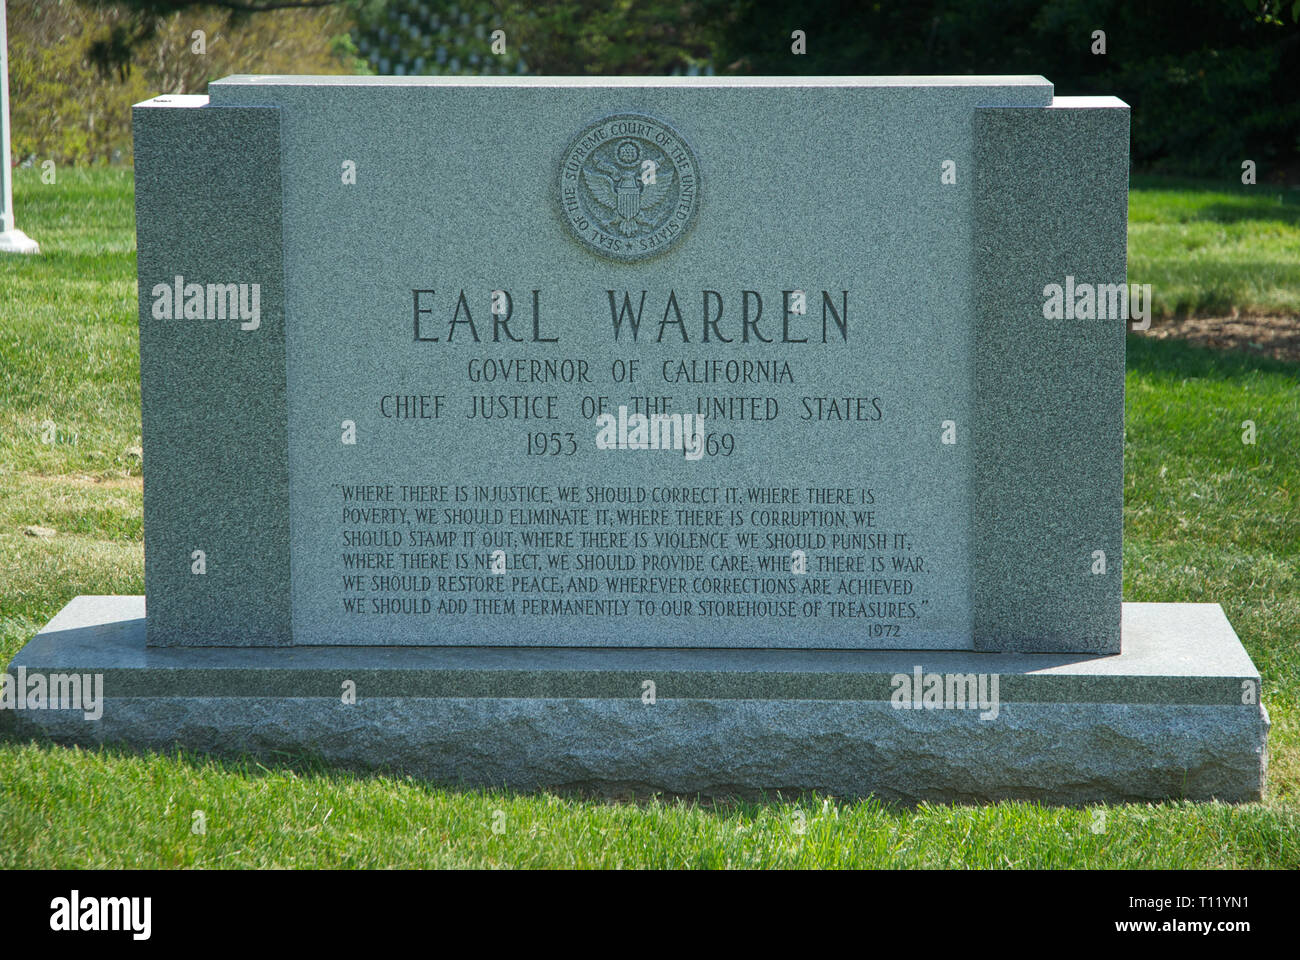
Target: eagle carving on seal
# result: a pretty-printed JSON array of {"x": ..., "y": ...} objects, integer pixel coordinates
[{"x": 626, "y": 195}]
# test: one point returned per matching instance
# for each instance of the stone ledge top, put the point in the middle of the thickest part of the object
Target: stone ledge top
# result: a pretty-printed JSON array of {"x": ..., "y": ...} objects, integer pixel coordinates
[
  {"x": 1174, "y": 653},
  {"x": 272, "y": 80}
]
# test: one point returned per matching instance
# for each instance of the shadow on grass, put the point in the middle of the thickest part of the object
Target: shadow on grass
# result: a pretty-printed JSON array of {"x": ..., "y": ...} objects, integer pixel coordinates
[
  {"x": 1258, "y": 210},
  {"x": 1261, "y": 209},
  {"x": 1233, "y": 203},
  {"x": 1178, "y": 360}
]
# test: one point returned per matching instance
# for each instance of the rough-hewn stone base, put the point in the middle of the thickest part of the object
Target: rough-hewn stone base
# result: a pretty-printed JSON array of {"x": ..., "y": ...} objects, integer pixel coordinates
[{"x": 1163, "y": 719}]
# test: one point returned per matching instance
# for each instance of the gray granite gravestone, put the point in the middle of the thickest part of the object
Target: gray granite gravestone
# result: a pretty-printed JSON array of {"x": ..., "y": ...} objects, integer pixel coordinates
[{"x": 708, "y": 435}]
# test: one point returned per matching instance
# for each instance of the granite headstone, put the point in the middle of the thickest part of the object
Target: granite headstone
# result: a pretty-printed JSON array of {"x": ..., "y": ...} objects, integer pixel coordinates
[{"x": 650, "y": 434}]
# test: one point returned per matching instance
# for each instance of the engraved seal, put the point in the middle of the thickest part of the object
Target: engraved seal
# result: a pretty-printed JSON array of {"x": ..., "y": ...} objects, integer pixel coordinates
[{"x": 629, "y": 187}]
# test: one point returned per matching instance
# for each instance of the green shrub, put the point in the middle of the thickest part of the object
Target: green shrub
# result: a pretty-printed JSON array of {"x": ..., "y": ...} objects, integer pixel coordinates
[{"x": 64, "y": 109}]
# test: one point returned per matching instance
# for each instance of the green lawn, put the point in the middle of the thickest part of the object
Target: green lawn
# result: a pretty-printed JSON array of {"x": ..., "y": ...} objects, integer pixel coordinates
[
  {"x": 1209, "y": 249},
  {"x": 1207, "y": 518}
]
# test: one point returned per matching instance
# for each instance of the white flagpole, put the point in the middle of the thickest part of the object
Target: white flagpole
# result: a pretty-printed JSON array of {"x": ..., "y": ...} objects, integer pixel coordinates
[{"x": 12, "y": 240}]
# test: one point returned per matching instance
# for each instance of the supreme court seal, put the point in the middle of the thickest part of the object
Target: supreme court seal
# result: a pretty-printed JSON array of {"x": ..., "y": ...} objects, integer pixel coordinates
[{"x": 629, "y": 187}]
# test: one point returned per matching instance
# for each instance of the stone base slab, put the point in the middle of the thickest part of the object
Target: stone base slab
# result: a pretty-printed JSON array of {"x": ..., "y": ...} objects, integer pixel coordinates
[{"x": 1176, "y": 715}]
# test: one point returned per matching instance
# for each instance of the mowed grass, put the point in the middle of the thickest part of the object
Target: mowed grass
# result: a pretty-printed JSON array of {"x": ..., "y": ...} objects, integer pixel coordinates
[
  {"x": 1208, "y": 518},
  {"x": 66, "y": 808},
  {"x": 69, "y": 401},
  {"x": 1214, "y": 248}
]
